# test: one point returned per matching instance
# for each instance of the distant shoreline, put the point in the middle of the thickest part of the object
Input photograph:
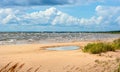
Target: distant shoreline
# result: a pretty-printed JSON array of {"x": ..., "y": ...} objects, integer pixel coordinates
[{"x": 117, "y": 31}]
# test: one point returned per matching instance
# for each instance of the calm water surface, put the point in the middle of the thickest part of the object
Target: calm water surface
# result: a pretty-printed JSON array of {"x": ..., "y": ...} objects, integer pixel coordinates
[{"x": 63, "y": 48}]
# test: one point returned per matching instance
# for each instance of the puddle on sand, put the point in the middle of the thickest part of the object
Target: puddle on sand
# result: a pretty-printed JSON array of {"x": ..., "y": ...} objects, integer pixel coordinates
[{"x": 62, "y": 48}]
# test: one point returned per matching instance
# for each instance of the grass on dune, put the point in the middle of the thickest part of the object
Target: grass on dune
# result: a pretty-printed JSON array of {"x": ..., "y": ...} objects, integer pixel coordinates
[
  {"x": 118, "y": 69},
  {"x": 96, "y": 48},
  {"x": 16, "y": 67},
  {"x": 116, "y": 44}
]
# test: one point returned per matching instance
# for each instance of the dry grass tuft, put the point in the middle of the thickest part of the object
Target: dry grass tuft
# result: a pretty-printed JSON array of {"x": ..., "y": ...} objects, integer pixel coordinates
[{"x": 16, "y": 67}]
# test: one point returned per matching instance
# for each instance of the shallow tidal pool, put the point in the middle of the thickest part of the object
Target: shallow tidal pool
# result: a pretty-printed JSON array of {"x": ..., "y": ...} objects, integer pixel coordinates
[{"x": 63, "y": 48}]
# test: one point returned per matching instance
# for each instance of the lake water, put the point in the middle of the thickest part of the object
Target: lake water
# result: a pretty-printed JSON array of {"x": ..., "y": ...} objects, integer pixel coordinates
[
  {"x": 24, "y": 37},
  {"x": 63, "y": 48}
]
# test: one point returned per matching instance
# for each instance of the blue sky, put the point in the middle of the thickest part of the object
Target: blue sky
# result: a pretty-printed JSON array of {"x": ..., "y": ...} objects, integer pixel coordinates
[{"x": 59, "y": 15}]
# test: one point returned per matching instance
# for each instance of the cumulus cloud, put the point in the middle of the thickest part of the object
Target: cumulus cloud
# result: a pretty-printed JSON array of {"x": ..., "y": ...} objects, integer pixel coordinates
[
  {"x": 8, "y": 16},
  {"x": 52, "y": 16},
  {"x": 40, "y": 17},
  {"x": 44, "y": 2},
  {"x": 105, "y": 17},
  {"x": 107, "y": 10},
  {"x": 108, "y": 13}
]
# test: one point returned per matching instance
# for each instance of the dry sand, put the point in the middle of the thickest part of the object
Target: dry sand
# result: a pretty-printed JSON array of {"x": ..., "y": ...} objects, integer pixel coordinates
[{"x": 35, "y": 57}]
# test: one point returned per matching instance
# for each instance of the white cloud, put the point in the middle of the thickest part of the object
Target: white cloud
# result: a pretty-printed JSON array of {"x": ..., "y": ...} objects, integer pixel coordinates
[
  {"x": 108, "y": 13},
  {"x": 8, "y": 16},
  {"x": 55, "y": 17},
  {"x": 92, "y": 21},
  {"x": 7, "y": 19},
  {"x": 41, "y": 17},
  {"x": 105, "y": 16},
  {"x": 118, "y": 20},
  {"x": 63, "y": 18}
]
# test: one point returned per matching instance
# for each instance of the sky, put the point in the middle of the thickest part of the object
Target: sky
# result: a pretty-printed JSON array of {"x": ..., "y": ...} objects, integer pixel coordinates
[{"x": 59, "y": 15}]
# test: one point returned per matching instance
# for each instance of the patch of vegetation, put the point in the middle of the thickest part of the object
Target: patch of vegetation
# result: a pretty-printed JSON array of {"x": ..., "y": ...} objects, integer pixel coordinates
[
  {"x": 96, "y": 48},
  {"x": 117, "y": 60},
  {"x": 118, "y": 69},
  {"x": 116, "y": 44},
  {"x": 97, "y": 61}
]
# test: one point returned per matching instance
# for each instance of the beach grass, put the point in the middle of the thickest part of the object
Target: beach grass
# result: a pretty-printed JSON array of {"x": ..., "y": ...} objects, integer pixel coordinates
[
  {"x": 118, "y": 69},
  {"x": 96, "y": 48},
  {"x": 116, "y": 44},
  {"x": 16, "y": 67}
]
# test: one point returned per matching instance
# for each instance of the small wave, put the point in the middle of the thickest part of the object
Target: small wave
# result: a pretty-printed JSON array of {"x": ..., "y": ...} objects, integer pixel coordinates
[{"x": 20, "y": 38}]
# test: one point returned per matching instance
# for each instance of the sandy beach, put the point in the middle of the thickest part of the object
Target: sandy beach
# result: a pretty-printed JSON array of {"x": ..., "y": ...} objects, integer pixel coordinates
[
  {"x": 35, "y": 58},
  {"x": 59, "y": 35}
]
